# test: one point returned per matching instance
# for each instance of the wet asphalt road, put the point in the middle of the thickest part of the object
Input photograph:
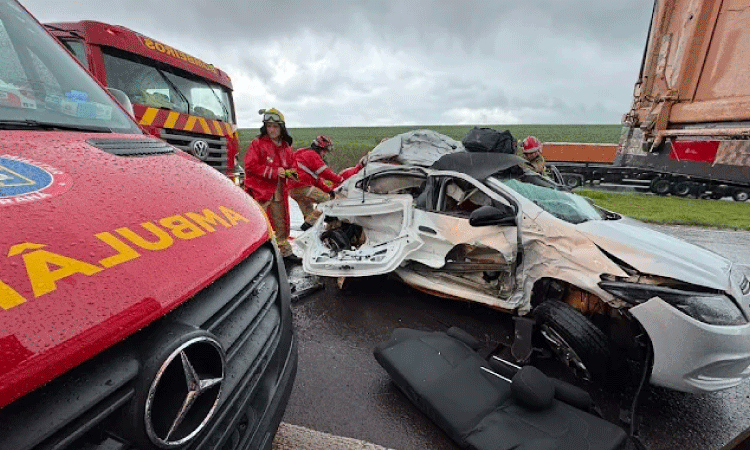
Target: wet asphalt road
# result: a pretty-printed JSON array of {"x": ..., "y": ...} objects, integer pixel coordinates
[{"x": 340, "y": 388}]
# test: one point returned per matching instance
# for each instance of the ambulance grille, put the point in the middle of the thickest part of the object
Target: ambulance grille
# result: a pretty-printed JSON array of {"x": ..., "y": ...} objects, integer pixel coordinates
[
  {"x": 184, "y": 140},
  {"x": 89, "y": 407}
]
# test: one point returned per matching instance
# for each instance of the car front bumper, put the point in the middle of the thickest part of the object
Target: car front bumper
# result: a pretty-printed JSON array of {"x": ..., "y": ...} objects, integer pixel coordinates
[{"x": 692, "y": 356}]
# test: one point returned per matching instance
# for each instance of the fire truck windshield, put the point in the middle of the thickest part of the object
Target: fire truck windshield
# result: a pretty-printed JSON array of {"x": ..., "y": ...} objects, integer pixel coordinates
[
  {"x": 158, "y": 85},
  {"x": 39, "y": 84}
]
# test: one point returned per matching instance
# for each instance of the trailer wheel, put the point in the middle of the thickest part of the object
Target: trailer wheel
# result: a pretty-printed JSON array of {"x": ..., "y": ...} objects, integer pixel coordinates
[
  {"x": 740, "y": 195},
  {"x": 682, "y": 188},
  {"x": 661, "y": 186},
  {"x": 573, "y": 181},
  {"x": 577, "y": 342}
]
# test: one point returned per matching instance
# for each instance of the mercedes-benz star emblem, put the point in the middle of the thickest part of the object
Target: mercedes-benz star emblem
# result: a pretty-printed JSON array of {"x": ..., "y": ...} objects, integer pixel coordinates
[
  {"x": 200, "y": 150},
  {"x": 185, "y": 392}
]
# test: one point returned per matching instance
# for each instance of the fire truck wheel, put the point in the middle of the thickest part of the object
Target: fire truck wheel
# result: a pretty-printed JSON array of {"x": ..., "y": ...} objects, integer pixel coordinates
[
  {"x": 661, "y": 186},
  {"x": 740, "y": 195}
]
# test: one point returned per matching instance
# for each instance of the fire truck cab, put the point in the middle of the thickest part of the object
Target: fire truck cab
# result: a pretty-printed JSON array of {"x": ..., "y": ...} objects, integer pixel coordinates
[{"x": 175, "y": 96}]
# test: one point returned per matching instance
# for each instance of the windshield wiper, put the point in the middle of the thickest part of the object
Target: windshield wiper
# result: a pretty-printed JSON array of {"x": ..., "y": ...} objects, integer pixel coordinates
[
  {"x": 70, "y": 32},
  {"x": 226, "y": 111},
  {"x": 38, "y": 125},
  {"x": 174, "y": 86}
]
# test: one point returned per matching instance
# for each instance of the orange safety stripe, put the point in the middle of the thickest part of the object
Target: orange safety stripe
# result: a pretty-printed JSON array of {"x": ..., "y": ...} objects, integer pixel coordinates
[
  {"x": 149, "y": 116},
  {"x": 171, "y": 119},
  {"x": 163, "y": 118},
  {"x": 218, "y": 128},
  {"x": 204, "y": 125},
  {"x": 190, "y": 124}
]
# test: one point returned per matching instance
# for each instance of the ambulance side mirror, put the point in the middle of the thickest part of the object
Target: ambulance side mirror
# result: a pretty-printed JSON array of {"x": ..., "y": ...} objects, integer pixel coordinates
[{"x": 123, "y": 99}]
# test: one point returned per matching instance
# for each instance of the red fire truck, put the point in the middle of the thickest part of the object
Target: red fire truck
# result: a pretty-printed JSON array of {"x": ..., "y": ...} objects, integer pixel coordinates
[{"x": 177, "y": 97}]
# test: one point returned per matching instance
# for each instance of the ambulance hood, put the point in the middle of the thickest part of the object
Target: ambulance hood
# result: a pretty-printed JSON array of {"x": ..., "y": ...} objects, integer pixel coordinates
[{"x": 102, "y": 234}]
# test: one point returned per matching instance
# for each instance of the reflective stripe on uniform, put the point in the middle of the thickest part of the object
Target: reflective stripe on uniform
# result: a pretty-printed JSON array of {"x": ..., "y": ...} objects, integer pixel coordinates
[{"x": 312, "y": 174}]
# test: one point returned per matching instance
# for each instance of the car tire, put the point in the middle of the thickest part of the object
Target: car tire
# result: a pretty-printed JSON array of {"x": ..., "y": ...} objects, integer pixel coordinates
[
  {"x": 740, "y": 195},
  {"x": 574, "y": 339},
  {"x": 682, "y": 189},
  {"x": 661, "y": 186}
]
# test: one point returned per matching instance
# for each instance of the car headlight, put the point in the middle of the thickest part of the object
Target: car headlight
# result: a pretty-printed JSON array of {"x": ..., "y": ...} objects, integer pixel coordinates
[{"x": 714, "y": 309}]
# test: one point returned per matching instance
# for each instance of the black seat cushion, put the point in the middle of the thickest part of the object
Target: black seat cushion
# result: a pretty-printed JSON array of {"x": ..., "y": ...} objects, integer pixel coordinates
[
  {"x": 532, "y": 388},
  {"x": 442, "y": 376}
]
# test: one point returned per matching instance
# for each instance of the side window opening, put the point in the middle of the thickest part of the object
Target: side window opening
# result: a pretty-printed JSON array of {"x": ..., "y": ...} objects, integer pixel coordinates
[
  {"x": 395, "y": 183},
  {"x": 459, "y": 198}
]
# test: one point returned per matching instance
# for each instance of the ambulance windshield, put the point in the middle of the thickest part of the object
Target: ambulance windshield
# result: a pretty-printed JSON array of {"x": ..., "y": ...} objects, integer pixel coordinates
[{"x": 42, "y": 86}]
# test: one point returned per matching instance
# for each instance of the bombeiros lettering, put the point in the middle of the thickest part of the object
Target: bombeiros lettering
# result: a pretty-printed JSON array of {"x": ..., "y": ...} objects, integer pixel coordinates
[
  {"x": 167, "y": 50},
  {"x": 45, "y": 267}
]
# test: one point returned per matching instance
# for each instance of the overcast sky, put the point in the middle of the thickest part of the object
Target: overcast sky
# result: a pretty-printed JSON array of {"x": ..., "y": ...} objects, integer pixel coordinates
[{"x": 401, "y": 62}]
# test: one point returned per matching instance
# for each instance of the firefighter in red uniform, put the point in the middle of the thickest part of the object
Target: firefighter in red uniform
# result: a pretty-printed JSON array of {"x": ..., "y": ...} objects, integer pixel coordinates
[
  {"x": 316, "y": 179},
  {"x": 531, "y": 149},
  {"x": 269, "y": 163}
]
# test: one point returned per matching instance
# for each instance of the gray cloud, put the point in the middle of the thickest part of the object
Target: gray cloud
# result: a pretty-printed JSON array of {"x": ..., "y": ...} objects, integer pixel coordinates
[{"x": 391, "y": 62}]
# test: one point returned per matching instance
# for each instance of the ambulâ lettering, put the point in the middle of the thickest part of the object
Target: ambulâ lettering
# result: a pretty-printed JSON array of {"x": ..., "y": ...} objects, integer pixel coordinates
[
  {"x": 45, "y": 268},
  {"x": 9, "y": 297},
  {"x": 124, "y": 252},
  {"x": 208, "y": 220},
  {"x": 163, "y": 239}
]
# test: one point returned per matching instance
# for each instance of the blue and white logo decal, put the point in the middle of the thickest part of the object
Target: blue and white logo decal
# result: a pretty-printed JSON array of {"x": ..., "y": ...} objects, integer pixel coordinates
[{"x": 23, "y": 180}]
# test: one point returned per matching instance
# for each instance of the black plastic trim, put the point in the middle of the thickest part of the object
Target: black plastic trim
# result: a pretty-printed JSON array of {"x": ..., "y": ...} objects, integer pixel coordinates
[{"x": 132, "y": 147}]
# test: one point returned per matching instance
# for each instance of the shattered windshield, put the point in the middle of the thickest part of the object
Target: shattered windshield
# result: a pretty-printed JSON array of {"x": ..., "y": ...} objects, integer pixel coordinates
[
  {"x": 564, "y": 205},
  {"x": 42, "y": 87}
]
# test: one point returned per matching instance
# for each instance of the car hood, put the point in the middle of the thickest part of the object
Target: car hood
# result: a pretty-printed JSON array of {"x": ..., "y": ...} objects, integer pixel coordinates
[
  {"x": 652, "y": 252},
  {"x": 95, "y": 246}
]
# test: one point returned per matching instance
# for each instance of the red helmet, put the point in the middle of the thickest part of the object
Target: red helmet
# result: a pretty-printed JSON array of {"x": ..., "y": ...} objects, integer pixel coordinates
[
  {"x": 323, "y": 142},
  {"x": 531, "y": 144}
]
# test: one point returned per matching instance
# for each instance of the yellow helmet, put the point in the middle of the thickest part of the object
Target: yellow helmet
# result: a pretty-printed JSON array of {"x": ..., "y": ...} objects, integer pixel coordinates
[{"x": 272, "y": 115}]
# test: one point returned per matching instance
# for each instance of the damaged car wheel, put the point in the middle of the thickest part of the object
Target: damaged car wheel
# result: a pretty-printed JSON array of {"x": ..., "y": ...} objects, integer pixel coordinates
[{"x": 577, "y": 342}]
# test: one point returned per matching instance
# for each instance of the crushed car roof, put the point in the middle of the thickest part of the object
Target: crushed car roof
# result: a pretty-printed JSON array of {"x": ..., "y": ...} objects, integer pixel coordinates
[
  {"x": 418, "y": 148},
  {"x": 478, "y": 165}
]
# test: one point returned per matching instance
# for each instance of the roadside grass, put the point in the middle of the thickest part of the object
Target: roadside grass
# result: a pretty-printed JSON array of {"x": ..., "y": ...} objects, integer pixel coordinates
[{"x": 675, "y": 210}]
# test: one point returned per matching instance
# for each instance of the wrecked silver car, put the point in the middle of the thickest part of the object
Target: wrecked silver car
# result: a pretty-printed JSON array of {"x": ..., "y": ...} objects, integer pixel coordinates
[{"x": 480, "y": 227}]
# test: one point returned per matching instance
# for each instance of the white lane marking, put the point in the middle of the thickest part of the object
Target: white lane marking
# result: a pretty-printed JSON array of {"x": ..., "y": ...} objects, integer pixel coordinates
[{"x": 295, "y": 437}]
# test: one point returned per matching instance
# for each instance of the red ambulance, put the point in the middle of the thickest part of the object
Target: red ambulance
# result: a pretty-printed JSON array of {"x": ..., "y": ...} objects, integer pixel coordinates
[{"x": 132, "y": 316}]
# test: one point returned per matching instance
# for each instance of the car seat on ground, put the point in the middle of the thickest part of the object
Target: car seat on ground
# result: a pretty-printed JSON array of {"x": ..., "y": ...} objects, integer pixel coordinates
[{"x": 481, "y": 409}]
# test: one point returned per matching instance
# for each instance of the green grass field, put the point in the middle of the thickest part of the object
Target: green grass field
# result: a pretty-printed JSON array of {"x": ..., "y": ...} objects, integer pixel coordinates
[
  {"x": 675, "y": 210},
  {"x": 351, "y": 143}
]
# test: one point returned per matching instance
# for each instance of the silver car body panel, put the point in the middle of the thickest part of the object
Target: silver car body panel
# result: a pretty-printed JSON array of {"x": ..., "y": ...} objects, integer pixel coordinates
[
  {"x": 655, "y": 253},
  {"x": 693, "y": 356}
]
